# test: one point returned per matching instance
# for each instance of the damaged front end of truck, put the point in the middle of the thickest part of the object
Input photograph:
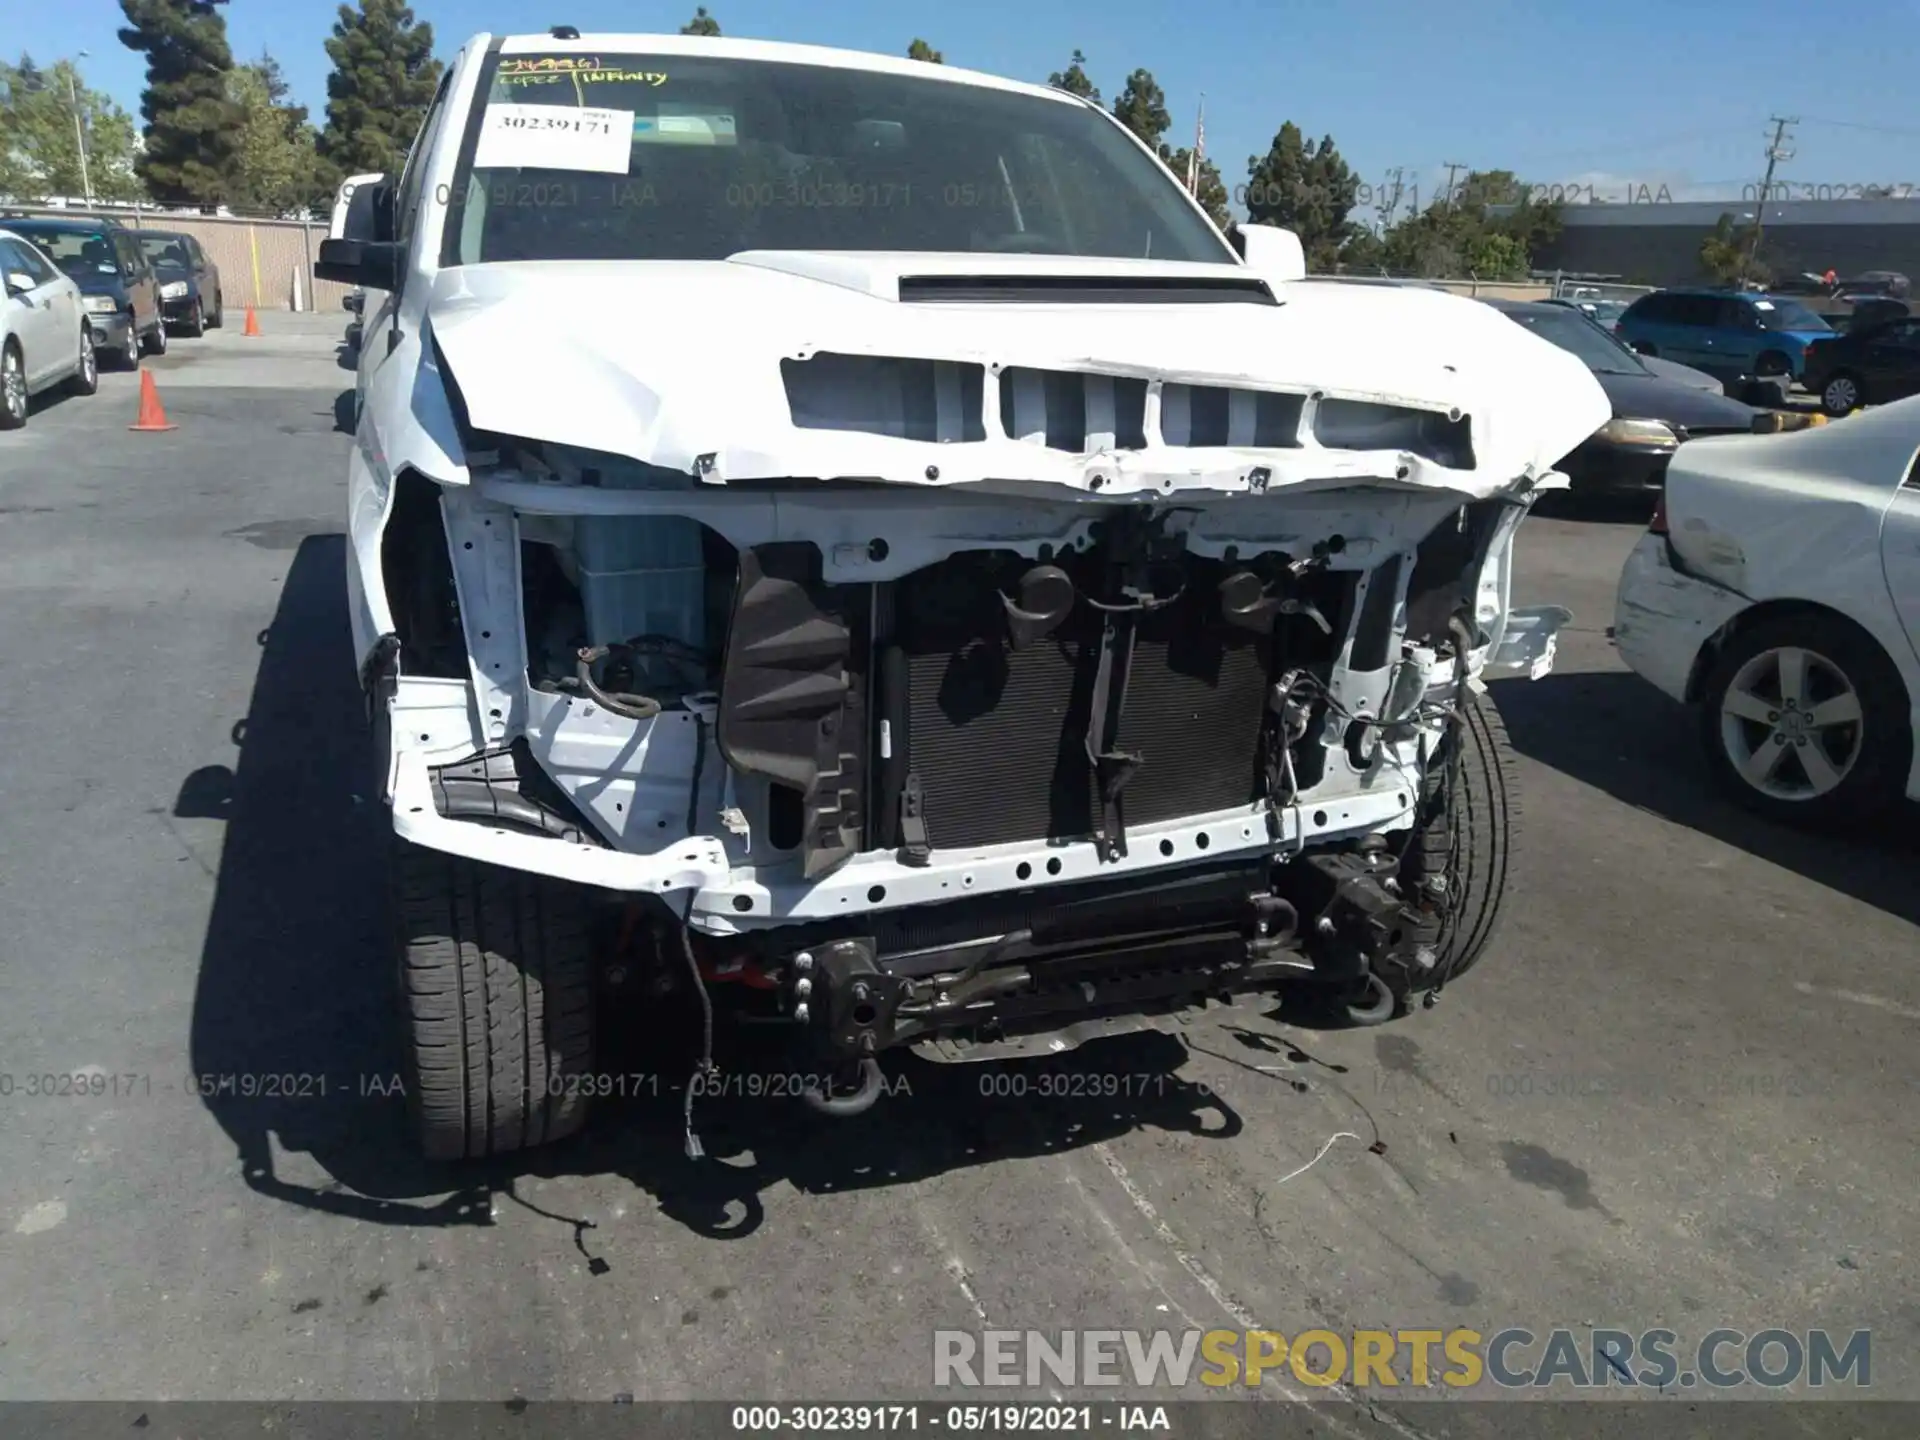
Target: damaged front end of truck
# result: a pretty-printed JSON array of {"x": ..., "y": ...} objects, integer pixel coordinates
[{"x": 980, "y": 694}]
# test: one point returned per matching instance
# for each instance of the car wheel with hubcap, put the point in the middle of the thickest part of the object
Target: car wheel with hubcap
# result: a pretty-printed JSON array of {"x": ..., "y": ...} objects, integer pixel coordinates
[
  {"x": 13, "y": 387},
  {"x": 86, "y": 380},
  {"x": 195, "y": 325},
  {"x": 156, "y": 342},
  {"x": 1840, "y": 395},
  {"x": 218, "y": 317},
  {"x": 1805, "y": 720},
  {"x": 130, "y": 355}
]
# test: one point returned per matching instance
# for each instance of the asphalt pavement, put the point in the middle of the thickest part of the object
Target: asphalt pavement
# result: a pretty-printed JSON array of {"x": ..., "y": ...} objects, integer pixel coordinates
[{"x": 1681, "y": 1092}]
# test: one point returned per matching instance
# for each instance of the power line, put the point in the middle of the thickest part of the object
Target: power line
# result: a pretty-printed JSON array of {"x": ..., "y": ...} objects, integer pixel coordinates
[
  {"x": 1776, "y": 152},
  {"x": 1452, "y": 166},
  {"x": 1857, "y": 125}
]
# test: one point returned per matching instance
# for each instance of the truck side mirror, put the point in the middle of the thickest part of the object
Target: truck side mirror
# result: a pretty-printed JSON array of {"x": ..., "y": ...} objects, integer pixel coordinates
[
  {"x": 372, "y": 264},
  {"x": 363, "y": 209}
]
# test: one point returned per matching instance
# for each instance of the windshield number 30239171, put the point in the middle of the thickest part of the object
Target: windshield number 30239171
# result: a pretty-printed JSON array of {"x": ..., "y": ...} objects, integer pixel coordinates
[{"x": 561, "y": 120}]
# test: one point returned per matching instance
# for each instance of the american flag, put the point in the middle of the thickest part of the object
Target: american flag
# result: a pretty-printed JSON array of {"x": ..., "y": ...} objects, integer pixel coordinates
[{"x": 1199, "y": 149}]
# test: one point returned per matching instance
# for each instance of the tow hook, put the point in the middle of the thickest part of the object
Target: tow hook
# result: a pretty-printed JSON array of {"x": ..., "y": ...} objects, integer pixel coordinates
[{"x": 872, "y": 1084}]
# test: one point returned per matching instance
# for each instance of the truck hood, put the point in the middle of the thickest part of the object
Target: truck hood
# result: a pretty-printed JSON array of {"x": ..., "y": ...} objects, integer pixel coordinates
[{"x": 997, "y": 370}]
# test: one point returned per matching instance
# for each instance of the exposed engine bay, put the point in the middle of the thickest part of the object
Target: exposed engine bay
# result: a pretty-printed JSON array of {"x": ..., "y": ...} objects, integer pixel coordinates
[{"x": 942, "y": 769}]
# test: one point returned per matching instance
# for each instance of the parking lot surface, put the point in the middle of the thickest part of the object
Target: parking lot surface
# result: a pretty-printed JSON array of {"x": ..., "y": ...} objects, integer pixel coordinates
[{"x": 1681, "y": 1092}]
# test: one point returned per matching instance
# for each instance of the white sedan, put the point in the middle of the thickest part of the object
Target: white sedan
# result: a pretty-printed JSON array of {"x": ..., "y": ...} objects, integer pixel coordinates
[
  {"x": 1778, "y": 590},
  {"x": 45, "y": 339}
]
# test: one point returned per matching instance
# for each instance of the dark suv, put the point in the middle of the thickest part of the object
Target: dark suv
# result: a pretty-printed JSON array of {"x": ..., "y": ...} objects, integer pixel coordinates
[{"x": 117, "y": 284}]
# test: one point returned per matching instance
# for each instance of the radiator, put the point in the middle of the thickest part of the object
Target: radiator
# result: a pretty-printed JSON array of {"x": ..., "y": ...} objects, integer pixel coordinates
[{"x": 996, "y": 735}]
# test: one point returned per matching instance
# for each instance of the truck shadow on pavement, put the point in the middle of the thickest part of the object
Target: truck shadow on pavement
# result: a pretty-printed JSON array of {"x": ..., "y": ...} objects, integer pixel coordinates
[
  {"x": 1615, "y": 732},
  {"x": 294, "y": 1042}
]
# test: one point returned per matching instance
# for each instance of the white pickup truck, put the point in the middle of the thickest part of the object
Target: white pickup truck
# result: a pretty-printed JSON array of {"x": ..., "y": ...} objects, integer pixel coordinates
[{"x": 848, "y": 542}]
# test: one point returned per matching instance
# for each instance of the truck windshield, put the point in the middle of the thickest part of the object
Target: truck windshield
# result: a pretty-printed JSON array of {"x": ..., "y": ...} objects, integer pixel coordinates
[{"x": 679, "y": 157}]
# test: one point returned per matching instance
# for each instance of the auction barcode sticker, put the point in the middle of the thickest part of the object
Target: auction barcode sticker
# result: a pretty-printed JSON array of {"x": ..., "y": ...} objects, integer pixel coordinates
[{"x": 555, "y": 137}]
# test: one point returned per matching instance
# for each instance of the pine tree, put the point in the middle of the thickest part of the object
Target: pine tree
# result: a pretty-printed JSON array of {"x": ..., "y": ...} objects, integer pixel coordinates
[
  {"x": 1142, "y": 107},
  {"x": 191, "y": 122},
  {"x": 701, "y": 24},
  {"x": 921, "y": 50},
  {"x": 1305, "y": 188},
  {"x": 1074, "y": 79},
  {"x": 383, "y": 80}
]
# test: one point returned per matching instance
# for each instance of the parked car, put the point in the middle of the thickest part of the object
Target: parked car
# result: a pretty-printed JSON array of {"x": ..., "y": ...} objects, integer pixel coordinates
[
  {"x": 1869, "y": 366},
  {"x": 118, "y": 286},
  {"x": 1778, "y": 592},
  {"x": 1652, "y": 415},
  {"x": 894, "y": 704},
  {"x": 1889, "y": 283},
  {"x": 1683, "y": 374},
  {"x": 46, "y": 338},
  {"x": 1864, "y": 312},
  {"x": 1752, "y": 341},
  {"x": 1601, "y": 312},
  {"x": 189, "y": 281}
]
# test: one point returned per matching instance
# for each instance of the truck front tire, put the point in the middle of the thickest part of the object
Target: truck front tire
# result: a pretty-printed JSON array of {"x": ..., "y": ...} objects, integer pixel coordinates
[
  {"x": 496, "y": 1002},
  {"x": 1465, "y": 837}
]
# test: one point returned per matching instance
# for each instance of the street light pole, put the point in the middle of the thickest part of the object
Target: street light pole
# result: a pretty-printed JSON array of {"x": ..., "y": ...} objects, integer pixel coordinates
[{"x": 79, "y": 131}]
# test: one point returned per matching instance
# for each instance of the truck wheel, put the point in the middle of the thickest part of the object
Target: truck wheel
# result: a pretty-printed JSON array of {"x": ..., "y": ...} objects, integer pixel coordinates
[
  {"x": 1470, "y": 833},
  {"x": 496, "y": 1002}
]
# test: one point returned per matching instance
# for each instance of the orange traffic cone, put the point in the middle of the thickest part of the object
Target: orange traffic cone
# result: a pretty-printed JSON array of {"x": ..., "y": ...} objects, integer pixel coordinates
[
  {"x": 152, "y": 417},
  {"x": 253, "y": 323}
]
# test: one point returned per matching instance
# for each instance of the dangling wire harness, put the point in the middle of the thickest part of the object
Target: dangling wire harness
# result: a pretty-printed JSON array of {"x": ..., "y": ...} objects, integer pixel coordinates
[{"x": 705, "y": 1070}]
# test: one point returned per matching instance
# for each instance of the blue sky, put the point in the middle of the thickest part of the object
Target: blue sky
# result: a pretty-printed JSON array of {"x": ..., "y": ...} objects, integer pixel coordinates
[{"x": 1630, "y": 93}]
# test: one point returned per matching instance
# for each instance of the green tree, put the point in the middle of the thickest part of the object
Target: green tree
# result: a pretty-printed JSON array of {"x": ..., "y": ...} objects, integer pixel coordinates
[
  {"x": 191, "y": 123},
  {"x": 1365, "y": 252},
  {"x": 1488, "y": 227},
  {"x": 275, "y": 165},
  {"x": 1141, "y": 106},
  {"x": 921, "y": 50},
  {"x": 1723, "y": 254},
  {"x": 1074, "y": 79},
  {"x": 1209, "y": 189},
  {"x": 382, "y": 82},
  {"x": 39, "y": 157},
  {"x": 1503, "y": 203},
  {"x": 1306, "y": 188},
  {"x": 701, "y": 24}
]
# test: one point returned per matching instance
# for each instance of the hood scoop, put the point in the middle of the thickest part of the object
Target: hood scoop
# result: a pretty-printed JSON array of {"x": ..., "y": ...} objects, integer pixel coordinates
[
  {"x": 913, "y": 277},
  {"x": 1084, "y": 290}
]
